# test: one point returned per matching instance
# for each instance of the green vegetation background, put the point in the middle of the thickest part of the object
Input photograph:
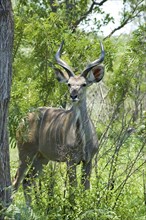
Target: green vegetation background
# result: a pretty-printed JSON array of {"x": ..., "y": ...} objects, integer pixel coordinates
[{"x": 117, "y": 106}]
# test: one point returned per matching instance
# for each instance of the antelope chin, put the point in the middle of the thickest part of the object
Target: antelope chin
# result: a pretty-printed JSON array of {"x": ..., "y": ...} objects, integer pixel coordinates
[{"x": 75, "y": 100}]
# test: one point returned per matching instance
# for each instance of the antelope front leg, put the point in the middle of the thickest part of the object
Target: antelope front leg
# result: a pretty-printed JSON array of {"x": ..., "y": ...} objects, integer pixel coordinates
[
  {"x": 86, "y": 172},
  {"x": 34, "y": 171},
  {"x": 19, "y": 175},
  {"x": 71, "y": 172}
]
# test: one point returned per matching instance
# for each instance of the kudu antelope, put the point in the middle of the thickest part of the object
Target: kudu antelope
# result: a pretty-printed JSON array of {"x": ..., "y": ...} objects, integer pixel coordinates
[{"x": 61, "y": 135}]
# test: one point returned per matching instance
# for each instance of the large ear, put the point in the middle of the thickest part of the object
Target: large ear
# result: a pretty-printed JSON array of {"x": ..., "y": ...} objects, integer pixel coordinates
[
  {"x": 96, "y": 74},
  {"x": 61, "y": 76}
]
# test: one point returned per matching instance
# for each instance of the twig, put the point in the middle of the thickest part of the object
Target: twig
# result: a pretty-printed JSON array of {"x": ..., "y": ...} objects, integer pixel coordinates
[
  {"x": 126, "y": 21},
  {"x": 88, "y": 12}
]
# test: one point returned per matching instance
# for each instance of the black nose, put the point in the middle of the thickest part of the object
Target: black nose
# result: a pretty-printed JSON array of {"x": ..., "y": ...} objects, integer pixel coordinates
[{"x": 73, "y": 96}]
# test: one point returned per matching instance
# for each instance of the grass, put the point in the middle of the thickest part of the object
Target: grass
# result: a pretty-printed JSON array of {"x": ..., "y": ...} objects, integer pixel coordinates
[
  {"x": 53, "y": 203},
  {"x": 13, "y": 161}
]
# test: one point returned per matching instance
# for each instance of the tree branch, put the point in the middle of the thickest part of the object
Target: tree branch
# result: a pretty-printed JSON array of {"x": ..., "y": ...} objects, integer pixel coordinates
[
  {"x": 94, "y": 3},
  {"x": 131, "y": 16},
  {"x": 100, "y": 3}
]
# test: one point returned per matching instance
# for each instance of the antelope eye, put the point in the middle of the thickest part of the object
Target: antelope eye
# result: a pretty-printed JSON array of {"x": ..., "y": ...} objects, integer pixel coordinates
[
  {"x": 84, "y": 84},
  {"x": 69, "y": 85}
]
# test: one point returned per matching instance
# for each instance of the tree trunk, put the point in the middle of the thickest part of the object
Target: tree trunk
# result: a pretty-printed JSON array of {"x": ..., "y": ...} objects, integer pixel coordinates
[{"x": 6, "y": 43}]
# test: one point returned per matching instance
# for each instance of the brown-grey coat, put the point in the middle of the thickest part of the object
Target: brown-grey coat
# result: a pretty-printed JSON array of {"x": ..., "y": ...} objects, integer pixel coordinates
[{"x": 61, "y": 135}]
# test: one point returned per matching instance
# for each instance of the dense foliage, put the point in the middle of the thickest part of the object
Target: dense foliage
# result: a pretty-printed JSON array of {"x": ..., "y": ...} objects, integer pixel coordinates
[{"x": 117, "y": 107}]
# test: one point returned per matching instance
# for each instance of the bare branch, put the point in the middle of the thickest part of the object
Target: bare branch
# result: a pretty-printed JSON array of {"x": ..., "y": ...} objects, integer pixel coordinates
[
  {"x": 94, "y": 3},
  {"x": 129, "y": 173},
  {"x": 100, "y": 3},
  {"x": 127, "y": 20}
]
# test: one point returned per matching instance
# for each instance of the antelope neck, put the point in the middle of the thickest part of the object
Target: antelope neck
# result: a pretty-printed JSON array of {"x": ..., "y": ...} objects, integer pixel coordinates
[{"x": 80, "y": 109}]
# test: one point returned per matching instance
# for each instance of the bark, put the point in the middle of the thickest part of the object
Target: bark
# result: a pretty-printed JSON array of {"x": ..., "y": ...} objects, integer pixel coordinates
[{"x": 6, "y": 43}]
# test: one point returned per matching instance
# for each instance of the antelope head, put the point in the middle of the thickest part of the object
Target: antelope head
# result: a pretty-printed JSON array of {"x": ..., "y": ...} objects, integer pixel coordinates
[{"x": 93, "y": 73}]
